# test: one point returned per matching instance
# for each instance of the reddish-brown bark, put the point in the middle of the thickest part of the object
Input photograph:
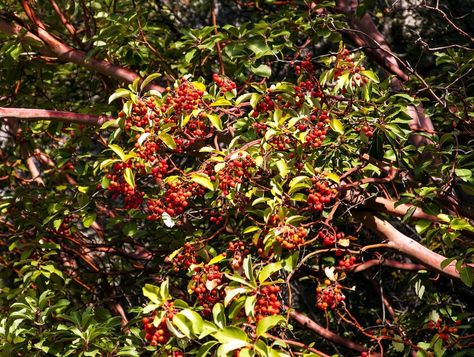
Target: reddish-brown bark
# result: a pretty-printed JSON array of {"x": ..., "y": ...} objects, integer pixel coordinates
[
  {"x": 405, "y": 245},
  {"x": 43, "y": 114},
  {"x": 325, "y": 333}
]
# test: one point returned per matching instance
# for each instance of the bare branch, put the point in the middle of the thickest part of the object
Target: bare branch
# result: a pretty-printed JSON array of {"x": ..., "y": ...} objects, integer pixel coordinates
[
  {"x": 71, "y": 29},
  {"x": 325, "y": 333},
  {"x": 50, "y": 46},
  {"x": 53, "y": 115},
  {"x": 406, "y": 245},
  {"x": 388, "y": 206}
]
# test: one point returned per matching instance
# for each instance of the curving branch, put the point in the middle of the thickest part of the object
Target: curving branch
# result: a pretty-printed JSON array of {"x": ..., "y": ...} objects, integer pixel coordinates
[
  {"x": 52, "y": 46},
  {"x": 305, "y": 321},
  {"x": 385, "y": 205},
  {"x": 406, "y": 245},
  {"x": 71, "y": 29},
  {"x": 53, "y": 115},
  {"x": 364, "y": 33}
]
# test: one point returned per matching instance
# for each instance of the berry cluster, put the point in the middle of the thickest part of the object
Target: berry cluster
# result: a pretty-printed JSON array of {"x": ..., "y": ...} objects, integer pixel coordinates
[
  {"x": 143, "y": 113},
  {"x": 315, "y": 138},
  {"x": 344, "y": 63},
  {"x": 197, "y": 128},
  {"x": 216, "y": 217},
  {"x": 290, "y": 237},
  {"x": 347, "y": 261},
  {"x": 224, "y": 84},
  {"x": 183, "y": 99},
  {"x": 183, "y": 260},
  {"x": 119, "y": 186},
  {"x": 205, "y": 283},
  {"x": 265, "y": 105},
  {"x": 444, "y": 330},
  {"x": 281, "y": 142},
  {"x": 175, "y": 199},
  {"x": 235, "y": 172},
  {"x": 328, "y": 295},
  {"x": 267, "y": 303},
  {"x": 158, "y": 335},
  {"x": 239, "y": 252},
  {"x": 328, "y": 238},
  {"x": 308, "y": 86},
  {"x": 260, "y": 128},
  {"x": 303, "y": 65},
  {"x": 320, "y": 195},
  {"x": 366, "y": 129}
]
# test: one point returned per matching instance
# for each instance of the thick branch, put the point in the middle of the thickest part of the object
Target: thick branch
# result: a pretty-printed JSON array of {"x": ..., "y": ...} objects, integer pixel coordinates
[
  {"x": 52, "y": 46},
  {"x": 367, "y": 34},
  {"x": 406, "y": 245},
  {"x": 53, "y": 115},
  {"x": 388, "y": 206}
]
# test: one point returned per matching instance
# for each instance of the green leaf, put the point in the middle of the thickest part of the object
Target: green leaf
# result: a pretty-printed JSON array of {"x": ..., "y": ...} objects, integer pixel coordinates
[
  {"x": 251, "y": 229},
  {"x": 337, "y": 126},
  {"x": 250, "y": 302},
  {"x": 263, "y": 70},
  {"x": 89, "y": 219},
  {"x": 461, "y": 224},
  {"x": 230, "y": 334},
  {"x": 129, "y": 176},
  {"x": 205, "y": 348},
  {"x": 118, "y": 150},
  {"x": 164, "y": 290},
  {"x": 268, "y": 323},
  {"x": 248, "y": 268},
  {"x": 216, "y": 259},
  {"x": 215, "y": 121},
  {"x": 195, "y": 319},
  {"x": 148, "y": 79},
  {"x": 152, "y": 292},
  {"x": 119, "y": 93},
  {"x": 168, "y": 140},
  {"x": 282, "y": 167},
  {"x": 183, "y": 325},
  {"x": 268, "y": 270},
  {"x": 221, "y": 102},
  {"x": 203, "y": 180},
  {"x": 174, "y": 330},
  {"x": 371, "y": 75},
  {"x": 467, "y": 275},
  {"x": 218, "y": 313},
  {"x": 333, "y": 177},
  {"x": 447, "y": 261},
  {"x": 107, "y": 124},
  {"x": 231, "y": 294}
]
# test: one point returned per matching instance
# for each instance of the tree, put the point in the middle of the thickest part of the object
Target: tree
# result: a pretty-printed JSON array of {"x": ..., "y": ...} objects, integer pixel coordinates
[{"x": 270, "y": 178}]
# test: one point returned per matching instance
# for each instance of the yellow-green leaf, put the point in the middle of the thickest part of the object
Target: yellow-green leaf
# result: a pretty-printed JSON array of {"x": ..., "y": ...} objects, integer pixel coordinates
[
  {"x": 221, "y": 102},
  {"x": 129, "y": 176},
  {"x": 168, "y": 140},
  {"x": 215, "y": 121},
  {"x": 118, "y": 150},
  {"x": 203, "y": 180},
  {"x": 337, "y": 126}
]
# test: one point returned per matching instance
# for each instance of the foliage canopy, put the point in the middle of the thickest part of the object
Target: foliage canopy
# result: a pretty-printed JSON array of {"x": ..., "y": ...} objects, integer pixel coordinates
[{"x": 269, "y": 179}]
